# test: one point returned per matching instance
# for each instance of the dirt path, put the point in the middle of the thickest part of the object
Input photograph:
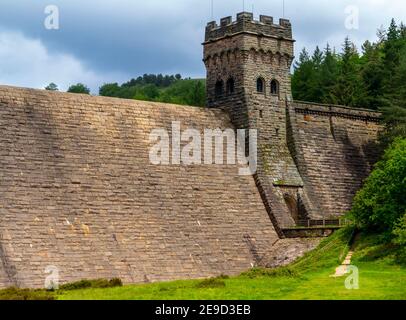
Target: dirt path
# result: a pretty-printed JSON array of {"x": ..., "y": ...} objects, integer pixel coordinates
[{"x": 343, "y": 268}]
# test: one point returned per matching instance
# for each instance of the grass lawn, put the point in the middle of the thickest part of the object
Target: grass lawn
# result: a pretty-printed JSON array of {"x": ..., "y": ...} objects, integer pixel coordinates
[{"x": 380, "y": 277}]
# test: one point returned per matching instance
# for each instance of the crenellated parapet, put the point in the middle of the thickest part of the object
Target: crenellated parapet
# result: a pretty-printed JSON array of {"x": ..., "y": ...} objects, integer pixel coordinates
[{"x": 245, "y": 23}]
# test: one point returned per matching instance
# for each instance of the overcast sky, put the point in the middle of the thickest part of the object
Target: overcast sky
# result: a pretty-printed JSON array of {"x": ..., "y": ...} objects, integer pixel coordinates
[{"x": 102, "y": 41}]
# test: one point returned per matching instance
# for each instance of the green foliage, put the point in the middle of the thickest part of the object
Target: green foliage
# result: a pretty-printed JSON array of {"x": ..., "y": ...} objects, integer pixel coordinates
[
  {"x": 372, "y": 247},
  {"x": 79, "y": 88},
  {"x": 304, "y": 78},
  {"x": 400, "y": 231},
  {"x": 211, "y": 283},
  {"x": 25, "y": 294},
  {"x": 98, "y": 283},
  {"x": 41, "y": 294},
  {"x": 168, "y": 89},
  {"x": 272, "y": 273},
  {"x": 115, "y": 90},
  {"x": 156, "y": 80},
  {"x": 382, "y": 202},
  {"x": 376, "y": 79},
  {"x": 186, "y": 92},
  {"x": 52, "y": 87}
]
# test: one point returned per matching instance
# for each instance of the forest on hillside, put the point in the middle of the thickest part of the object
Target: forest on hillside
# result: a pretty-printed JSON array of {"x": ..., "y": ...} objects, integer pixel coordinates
[
  {"x": 150, "y": 87},
  {"x": 168, "y": 89},
  {"x": 374, "y": 78}
]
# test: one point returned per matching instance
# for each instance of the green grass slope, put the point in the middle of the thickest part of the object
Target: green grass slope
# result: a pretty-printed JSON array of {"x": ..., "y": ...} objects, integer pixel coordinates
[{"x": 380, "y": 277}]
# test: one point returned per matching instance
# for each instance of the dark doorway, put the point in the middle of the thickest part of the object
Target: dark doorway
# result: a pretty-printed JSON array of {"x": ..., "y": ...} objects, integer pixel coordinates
[{"x": 292, "y": 205}]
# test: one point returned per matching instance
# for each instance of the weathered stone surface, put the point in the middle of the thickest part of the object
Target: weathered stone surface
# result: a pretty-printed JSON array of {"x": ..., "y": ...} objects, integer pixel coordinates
[
  {"x": 77, "y": 191},
  {"x": 312, "y": 158},
  {"x": 335, "y": 150},
  {"x": 288, "y": 250}
]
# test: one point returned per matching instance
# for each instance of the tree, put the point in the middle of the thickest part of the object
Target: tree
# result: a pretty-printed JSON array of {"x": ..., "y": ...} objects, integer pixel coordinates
[
  {"x": 372, "y": 76},
  {"x": 198, "y": 96},
  {"x": 316, "y": 90},
  {"x": 109, "y": 90},
  {"x": 52, "y": 87},
  {"x": 400, "y": 232},
  {"x": 328, "y": 75},
  {"x": 394, "y": 108},
  {"x": 348, "y": 89},
  {"x": 79, "y": 88},
  {"x": 402, "y": 32},
  {"x": 303, "y": 77},
  {"x": 381, "y": 202},
  {"x": 393, "y": 103},
  {"x": 391, "y": 57}
]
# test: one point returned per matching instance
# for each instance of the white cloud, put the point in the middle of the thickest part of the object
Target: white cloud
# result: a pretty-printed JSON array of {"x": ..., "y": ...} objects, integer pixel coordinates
[
  {"x": 105, "y": 41},
  {"x": 27, "y": 62}
]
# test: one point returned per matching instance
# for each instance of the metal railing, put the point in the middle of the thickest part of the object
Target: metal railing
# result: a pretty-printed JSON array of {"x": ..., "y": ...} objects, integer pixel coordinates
[{"x": 323, "y": 223}]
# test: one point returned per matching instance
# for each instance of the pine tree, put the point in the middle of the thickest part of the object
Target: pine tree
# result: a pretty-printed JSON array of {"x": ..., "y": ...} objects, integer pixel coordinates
[
  {"x": 394, "y": 102},
  {"x": 328, "y": 75},
  {"x": 347, "y": 90},
  {"x": 316, "y": 90},
  {"x": 391, "y": 52},
  {"x": 301, "y": 80},
  {"x": 402, "y": 31},
  {"x": 372, "y": 76}
]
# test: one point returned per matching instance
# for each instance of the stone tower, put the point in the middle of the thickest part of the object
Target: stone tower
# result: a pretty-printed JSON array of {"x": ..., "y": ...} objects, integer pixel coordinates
[{"x": 248, "y": 75}]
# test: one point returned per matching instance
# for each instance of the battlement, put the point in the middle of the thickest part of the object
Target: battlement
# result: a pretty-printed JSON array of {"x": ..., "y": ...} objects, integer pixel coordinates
[{"x": 245, "y": 23}]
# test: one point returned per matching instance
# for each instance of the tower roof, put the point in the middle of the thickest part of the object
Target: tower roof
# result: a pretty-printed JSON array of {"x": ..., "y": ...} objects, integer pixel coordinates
[{"x": 245, "y": 23}]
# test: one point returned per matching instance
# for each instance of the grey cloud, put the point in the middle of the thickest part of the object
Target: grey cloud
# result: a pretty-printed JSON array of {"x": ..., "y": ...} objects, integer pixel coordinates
[{"x": 132, "y": 37}]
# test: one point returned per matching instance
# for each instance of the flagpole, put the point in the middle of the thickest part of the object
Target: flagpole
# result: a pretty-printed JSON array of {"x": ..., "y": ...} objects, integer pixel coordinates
[{"x": 283, "y": 6}]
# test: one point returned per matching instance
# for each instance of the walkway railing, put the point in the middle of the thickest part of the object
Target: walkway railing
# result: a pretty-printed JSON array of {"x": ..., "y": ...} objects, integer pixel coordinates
[{"x": 323, "y": 223}]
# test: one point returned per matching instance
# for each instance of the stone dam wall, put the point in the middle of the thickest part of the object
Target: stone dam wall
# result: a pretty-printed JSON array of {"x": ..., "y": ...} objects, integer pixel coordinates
[
  {"x": 78, "y": 191},
  {"x": 334, "y": 149}
]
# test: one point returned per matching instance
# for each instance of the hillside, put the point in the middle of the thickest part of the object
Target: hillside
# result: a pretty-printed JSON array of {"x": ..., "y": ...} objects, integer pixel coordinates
[{"x": 158, "y": 88}]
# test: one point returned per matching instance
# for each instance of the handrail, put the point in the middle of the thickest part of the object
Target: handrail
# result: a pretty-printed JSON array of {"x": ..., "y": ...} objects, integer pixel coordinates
[{"x": 309, "y": 223}]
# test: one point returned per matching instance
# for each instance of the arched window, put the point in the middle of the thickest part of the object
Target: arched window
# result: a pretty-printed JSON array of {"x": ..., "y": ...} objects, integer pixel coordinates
[
  {"x": 274, "y": 87},
  {"x": 219, "y": 88},
  {"x": 230, "y": 86},
  {"x": 260, "y": 85}
]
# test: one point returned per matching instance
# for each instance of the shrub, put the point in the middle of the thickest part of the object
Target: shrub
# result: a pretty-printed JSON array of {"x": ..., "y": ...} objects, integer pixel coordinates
[
  {"x": 211, "y": 283},
  {"x": 25, "y": 294},
  {"x": 276, "y": 272},
  {"x": 400, "y": 238},
  {"x": 86, "y": 284},
  {"x": 400, "y": 231}
]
